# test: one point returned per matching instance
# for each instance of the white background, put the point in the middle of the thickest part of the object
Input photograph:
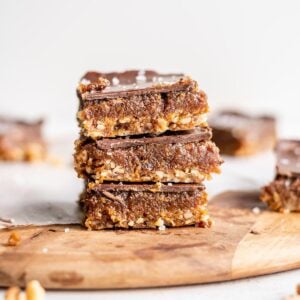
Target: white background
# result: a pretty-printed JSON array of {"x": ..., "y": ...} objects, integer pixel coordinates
[{"x": 243, "y": 53}]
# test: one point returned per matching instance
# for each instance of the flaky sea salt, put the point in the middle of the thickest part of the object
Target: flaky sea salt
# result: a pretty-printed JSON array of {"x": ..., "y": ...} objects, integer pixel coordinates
[
  {"x": 256, "y": 210},
  {"x": 85, "y": 81},
  {"x": 67, "y": 229},
  {"x": 115, "y": 81},
  {"x": 45, "y": 250},
  {"x": 141, "y": 76},
  {"x": 284, "y": 161},
  {"x": 131, "y": 223}
]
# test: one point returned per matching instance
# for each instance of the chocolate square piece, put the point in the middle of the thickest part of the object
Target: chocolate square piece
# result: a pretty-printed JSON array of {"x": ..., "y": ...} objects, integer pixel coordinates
[
  {"x": 239, "y": 134},
  {"x": 283, "y": 193},
  {"x": 21, "y": 141},
  {"x": 174, "y": 157},
  {"x": 144, "y": 206},
  {"x": 135, "y": 102}
]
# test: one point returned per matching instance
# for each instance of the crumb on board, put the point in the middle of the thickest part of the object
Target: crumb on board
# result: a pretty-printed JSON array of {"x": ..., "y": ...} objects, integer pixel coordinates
[
  {"x": 162, "y": 227},
  {"x": 13, "y": 293},
  {"x": 33, "y": 291},
  {"x": 67, "y": 229},
  {"x": 14, "y": 239}
]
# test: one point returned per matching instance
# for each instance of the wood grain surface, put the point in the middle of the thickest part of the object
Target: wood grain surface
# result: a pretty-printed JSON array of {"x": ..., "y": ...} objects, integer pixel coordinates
[{"x": 240, "y": 244}]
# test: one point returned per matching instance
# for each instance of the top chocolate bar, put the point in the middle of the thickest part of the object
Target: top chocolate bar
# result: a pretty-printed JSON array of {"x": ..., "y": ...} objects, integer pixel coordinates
[{"x": 139, "y": 102}]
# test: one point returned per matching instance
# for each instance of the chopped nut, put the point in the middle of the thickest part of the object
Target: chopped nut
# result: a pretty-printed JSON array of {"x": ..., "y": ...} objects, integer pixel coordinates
[
  {"x": 34, "y": 291},
  {"x": 14, "y": 239},
  {"x": 200, "y": 119},
  {"x": 188, "y": 214},
  {"x": 160, "y": 174},
  {"x": 185, "y": 120},
  {"x": 112, "y": 165},
  {"x": 180, "y": 174},
  {"x": 162, "y": 124},
  {"x": 100, "y": 125},
  {"x": 140, "y": 220},
  {"x": 196, "y": 173},
  {"x": 124, "y": 120},
  {"x": 13, "y": 293},
  {"x": 118, "y": 170},
  {"x": 159, "y": 222}
]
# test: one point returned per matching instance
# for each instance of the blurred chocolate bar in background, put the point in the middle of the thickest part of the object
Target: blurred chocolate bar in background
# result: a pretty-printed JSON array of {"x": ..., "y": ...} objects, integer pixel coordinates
[
  {"x": 21, "y": 140},
  {"x": 240, "y": 134},
  {"x": 283, "y": 193}
]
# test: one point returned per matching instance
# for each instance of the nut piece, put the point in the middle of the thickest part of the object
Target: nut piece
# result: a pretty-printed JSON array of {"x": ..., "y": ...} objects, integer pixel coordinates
[
  {"x": 13, "y": 293},
  {"x": 14, "y": 239},
  {"x": 34, "y": 291}
]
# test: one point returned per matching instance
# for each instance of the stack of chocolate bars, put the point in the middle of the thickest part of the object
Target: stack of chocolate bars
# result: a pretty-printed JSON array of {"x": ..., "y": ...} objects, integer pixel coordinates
[{"x": 144, "y": 150}]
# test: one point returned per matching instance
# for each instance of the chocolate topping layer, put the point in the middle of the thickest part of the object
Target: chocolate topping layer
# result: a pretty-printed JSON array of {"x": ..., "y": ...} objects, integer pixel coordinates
[
  {"x": 133, "y": 83},
  {"x": 152, "y": 187},
  {"x": 198, "y": 134}
]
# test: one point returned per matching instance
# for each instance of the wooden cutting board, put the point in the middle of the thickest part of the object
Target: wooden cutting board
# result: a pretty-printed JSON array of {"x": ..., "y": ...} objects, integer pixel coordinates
[{"x": 240, "y": 244}]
